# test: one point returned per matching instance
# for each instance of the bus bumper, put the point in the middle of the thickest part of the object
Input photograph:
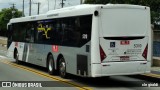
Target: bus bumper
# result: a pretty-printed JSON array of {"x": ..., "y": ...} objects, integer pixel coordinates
[{"x": 120, "y": 68}]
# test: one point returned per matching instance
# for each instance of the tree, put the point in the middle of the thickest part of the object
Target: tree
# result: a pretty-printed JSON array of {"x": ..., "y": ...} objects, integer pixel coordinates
[
  {"x": 6, "y": 14},
  {"x": 153, "y": 4}
]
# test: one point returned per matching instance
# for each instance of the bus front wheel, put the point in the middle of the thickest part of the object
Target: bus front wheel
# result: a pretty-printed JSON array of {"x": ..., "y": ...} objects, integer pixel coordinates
[
  {"x": 62, "y": 68},
  {"x": 16, "y": 57}
]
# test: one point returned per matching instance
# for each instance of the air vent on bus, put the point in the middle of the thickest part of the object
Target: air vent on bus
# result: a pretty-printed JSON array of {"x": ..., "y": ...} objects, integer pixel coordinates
[{"x": 123, "y": 38}]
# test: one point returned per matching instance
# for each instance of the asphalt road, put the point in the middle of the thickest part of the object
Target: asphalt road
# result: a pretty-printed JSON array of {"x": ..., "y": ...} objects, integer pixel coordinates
[{"x": 10, "y": 71}]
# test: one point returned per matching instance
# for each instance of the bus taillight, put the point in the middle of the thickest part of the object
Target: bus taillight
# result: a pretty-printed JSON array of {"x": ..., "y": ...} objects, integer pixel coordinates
[
  {"x": 102, "y": 53},
  {"x": 144, "y": 54}
]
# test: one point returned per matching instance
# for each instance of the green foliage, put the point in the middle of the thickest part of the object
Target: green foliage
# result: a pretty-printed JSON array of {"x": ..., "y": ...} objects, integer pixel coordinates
[
  {"x": 6, "y": 14},
  {"x": 153, "y": 4}
]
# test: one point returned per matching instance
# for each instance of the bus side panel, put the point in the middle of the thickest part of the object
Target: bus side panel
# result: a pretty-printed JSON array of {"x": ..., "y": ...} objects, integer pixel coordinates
[
  {"x": 76, "y": 58},
  {"x": 19, "y": 46},
  {"x": 35, "y": 54},
  {"x": 69, "y": 55},
  {"x": 150, "y": 42},
  {"x": 10, "y": 51},
  {"x": 95, "y": 55}
]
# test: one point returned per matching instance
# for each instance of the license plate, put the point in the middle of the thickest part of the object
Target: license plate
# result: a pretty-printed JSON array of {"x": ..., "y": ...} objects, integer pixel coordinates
[
  {"x": 124, "y": 42},
  {"x": 124, "y": 58}
]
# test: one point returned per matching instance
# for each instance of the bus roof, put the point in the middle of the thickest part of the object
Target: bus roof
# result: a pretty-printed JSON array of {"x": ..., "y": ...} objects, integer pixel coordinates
[{"x": 78, "y": 10}]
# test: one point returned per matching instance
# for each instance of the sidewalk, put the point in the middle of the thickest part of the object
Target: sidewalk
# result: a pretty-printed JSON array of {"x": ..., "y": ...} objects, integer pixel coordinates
[
  {"x": 155, "y": 69},
  {"x": 155, "y": 72}
]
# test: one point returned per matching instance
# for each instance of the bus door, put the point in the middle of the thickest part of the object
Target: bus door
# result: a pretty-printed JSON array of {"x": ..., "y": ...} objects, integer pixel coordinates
[
  {"x": 9, "y": 34},
  {"x": 29, "y": 39}
]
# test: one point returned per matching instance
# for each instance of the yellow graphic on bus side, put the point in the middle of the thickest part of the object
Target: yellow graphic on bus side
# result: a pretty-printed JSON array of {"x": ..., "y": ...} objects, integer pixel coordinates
[{"x": 44, "y": 29}]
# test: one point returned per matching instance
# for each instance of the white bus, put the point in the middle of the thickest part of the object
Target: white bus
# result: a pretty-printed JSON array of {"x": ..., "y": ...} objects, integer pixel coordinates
[{"x": 85, "y": 40}]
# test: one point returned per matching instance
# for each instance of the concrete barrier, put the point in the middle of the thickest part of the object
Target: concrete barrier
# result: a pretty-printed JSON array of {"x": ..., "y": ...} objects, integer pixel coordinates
[{"x": 156, "y": 61}]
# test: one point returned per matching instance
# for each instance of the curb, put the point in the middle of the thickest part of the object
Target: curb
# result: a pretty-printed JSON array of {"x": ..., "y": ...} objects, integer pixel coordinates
[{"x": 153, "y": 74}]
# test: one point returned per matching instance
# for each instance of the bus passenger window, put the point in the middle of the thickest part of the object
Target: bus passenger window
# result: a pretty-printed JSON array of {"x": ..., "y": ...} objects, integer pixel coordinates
[{"x": 30, "y": 33}]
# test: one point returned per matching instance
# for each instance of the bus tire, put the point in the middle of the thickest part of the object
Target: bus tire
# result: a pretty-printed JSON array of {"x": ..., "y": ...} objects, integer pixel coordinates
[
  {"x": 16, "y": 57},
  {"x": 62, "y": 68},
  {"x": 51, "y": 69}
]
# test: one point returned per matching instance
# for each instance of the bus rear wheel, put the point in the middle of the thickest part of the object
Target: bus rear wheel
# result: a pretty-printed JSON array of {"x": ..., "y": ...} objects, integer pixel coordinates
[
  {"x": 62, "y": 68},
  {"x": 51, "y": 69}
]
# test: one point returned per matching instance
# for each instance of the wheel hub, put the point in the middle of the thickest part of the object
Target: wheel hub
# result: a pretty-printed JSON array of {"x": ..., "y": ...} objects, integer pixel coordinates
[
  {"x": 50, "y": 65},
  {"x": 62, "y": 68}
]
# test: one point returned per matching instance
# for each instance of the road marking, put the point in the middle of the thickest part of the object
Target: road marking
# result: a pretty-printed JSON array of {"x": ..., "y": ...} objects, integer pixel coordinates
[
  {"x": 80, "y": 87},
  {"x": 152, "y": 75}
]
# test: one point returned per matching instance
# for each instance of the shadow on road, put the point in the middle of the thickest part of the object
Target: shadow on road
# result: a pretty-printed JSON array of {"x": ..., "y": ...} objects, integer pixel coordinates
[{"x": 102, "y": 81}]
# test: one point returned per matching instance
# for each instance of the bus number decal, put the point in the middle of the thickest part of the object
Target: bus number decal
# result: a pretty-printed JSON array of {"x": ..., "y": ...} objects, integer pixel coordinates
[
  {"x": 55, "y": 48},
  {"x": 84, "y": 36}
]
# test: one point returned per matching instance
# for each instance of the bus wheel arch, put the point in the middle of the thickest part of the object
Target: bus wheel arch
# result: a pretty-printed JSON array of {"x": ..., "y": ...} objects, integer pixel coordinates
[{"x": 50, "y": 63}]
